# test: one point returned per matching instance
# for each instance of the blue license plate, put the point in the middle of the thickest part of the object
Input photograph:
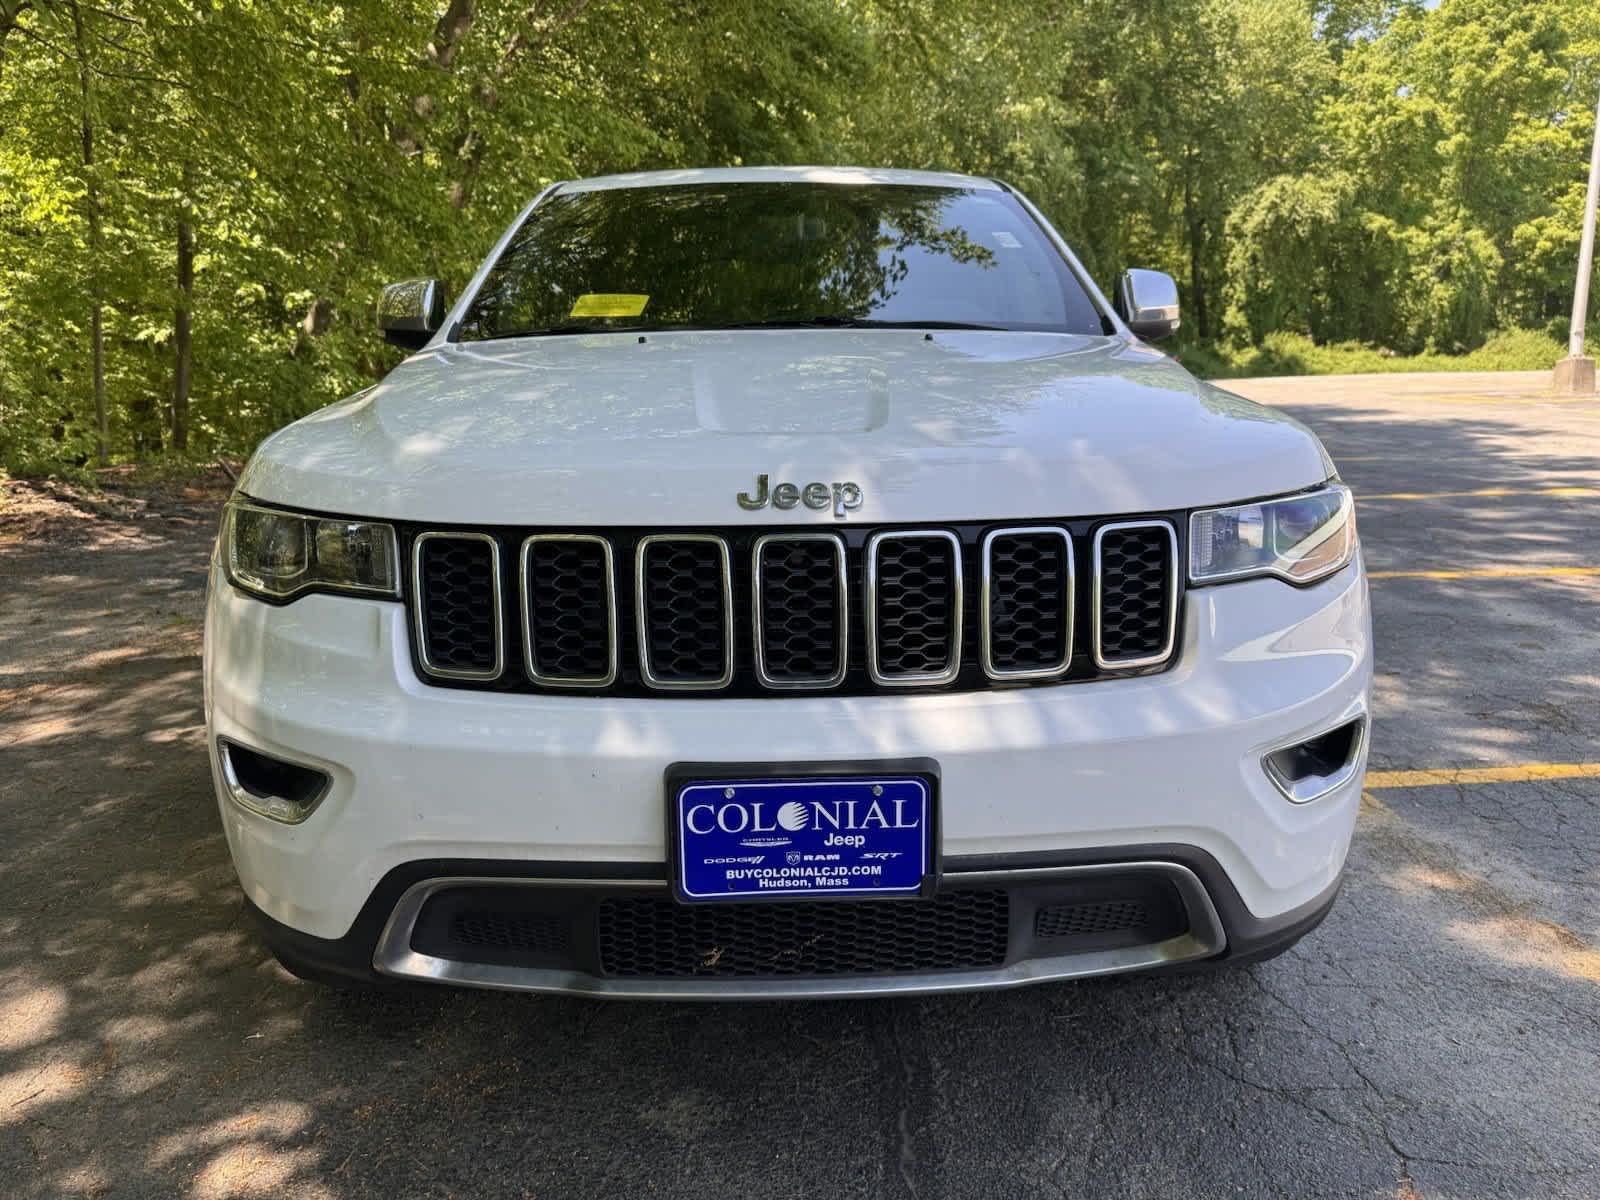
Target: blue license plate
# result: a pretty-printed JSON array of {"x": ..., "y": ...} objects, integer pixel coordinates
[{"x": 739, "y": 839}]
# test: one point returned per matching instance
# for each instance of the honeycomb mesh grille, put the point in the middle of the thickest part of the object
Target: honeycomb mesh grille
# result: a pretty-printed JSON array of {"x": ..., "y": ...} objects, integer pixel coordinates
[
  {"x": 750, "y": 612},
  {"x": 802, "y": 621},
  {"x": 535, "y": 933},
  {"x": 917, "y": 620},
  {"x": 1030, "y": 613},
  {"x": 1084, "y": 920},
  {"x": 569, "y": 602},
  {"x": 656, "y": 938},
  {"x": 460, "y": 610},
  {"x": 1136, "y": 575},
  {"x": 683, "y": 594}
]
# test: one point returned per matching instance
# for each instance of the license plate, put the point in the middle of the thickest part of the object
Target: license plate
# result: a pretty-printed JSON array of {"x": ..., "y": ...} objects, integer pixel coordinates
[{"x": 747, "y": 839}]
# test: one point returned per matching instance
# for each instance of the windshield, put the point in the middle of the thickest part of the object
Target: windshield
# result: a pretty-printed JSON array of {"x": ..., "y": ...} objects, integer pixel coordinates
[{"x": 742, "y": 255}]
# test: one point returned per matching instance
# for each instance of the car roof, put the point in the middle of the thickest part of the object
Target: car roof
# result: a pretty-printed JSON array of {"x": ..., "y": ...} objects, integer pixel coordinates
[{"x": 833, "y": 175}]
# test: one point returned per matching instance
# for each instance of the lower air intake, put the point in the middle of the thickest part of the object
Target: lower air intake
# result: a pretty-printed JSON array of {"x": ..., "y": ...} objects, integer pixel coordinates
[
  {"x": 1081, "y": 920},
  {"x": 531, "y": 932},
  {"x": 658, "y": 938}
]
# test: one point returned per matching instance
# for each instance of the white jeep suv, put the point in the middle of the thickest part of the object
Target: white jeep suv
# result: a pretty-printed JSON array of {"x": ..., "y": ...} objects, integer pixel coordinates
[{"x": 785, "y": 582}]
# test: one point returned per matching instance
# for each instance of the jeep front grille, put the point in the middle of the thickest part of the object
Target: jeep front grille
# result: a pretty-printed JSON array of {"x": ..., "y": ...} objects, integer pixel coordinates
[{"x": 745, "y": 612}]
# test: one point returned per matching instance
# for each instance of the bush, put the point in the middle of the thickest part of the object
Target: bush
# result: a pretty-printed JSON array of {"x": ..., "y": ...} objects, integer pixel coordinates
[
  {"x": 1295, "y": 354},
  {"x": 1448, "y": 295}
]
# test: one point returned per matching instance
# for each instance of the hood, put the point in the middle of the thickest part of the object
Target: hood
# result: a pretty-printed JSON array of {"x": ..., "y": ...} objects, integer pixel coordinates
[{"x": 610, "y": 429}]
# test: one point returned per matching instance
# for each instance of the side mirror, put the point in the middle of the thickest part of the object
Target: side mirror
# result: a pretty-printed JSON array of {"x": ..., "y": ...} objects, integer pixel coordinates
[
  {"x": 410, "y": 313},
  {"x": 1148, "y": 302}
]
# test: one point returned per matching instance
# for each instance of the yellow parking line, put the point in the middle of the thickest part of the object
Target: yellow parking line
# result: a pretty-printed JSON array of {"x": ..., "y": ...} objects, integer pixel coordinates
[
  {"x": 1568, "y": 492},
  {"x": 1518, "y": 773},
  {"x": 1493, "y": 573}
]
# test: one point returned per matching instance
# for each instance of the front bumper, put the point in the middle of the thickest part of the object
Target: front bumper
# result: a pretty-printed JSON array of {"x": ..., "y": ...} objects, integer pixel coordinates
[
  {"x": 1052, "y": 776},
  {"x": 1212, "y": 928}
]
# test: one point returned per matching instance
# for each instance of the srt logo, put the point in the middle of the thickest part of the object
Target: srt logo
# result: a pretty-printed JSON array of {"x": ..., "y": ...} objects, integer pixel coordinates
[{"x": 844, "y": 497}]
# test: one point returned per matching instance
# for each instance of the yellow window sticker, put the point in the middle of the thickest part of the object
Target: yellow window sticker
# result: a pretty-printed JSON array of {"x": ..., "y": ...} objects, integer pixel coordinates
[{"x": 609, "y": 304}]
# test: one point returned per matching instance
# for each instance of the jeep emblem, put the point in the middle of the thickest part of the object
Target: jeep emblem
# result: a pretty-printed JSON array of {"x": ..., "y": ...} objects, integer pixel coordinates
[{"x": 845, "y": 497}]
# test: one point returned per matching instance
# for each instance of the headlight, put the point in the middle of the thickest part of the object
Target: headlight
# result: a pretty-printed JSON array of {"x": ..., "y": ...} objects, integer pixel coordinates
[
  {"x": 1300, "y": 538},
  {"x": 277, "y": 554}
]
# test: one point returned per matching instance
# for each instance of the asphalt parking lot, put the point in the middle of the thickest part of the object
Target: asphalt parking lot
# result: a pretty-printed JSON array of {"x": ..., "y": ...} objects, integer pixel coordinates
[{"x": 1438, "y": 1037}]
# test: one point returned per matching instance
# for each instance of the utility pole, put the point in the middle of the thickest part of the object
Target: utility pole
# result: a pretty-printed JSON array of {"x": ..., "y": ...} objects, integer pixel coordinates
[{"x": 1574, "y": 375}]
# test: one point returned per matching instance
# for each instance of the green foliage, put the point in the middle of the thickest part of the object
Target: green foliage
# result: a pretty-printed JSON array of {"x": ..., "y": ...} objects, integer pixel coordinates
[
  {"x": 1305, "y": 258},
  {"x": 1446, "y": 202},
  {"x": 1313, "y": 171},
  {"x": 1296, "y": 354}
]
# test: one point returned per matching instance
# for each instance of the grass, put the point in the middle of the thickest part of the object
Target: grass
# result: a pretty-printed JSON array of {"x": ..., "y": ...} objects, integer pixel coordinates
[{"x": 1295, "y": 354}]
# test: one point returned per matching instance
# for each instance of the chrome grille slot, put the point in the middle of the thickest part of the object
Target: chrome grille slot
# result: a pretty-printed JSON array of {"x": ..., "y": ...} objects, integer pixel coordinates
[
  {"x": 1027, "y": 602},
  {"x": 1135, "y": 593},
  {"x": 913, "y": 608},
  {"x": 684, "y": 591},
  {"x": 569, "y": 610},
  {"x": 456, "y": 594},
  {"x": 799, "y": 610}
]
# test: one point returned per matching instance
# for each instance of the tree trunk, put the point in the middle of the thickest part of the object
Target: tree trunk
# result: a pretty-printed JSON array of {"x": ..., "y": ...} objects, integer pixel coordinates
[
  {"x": 470, "y": 147},
  {"x": 1197, "y": 260},
  {"x": 97, "y": 332},
  {"x": 10, "y": 16},
  {"x": 450, "y": 31},
  {"x": 1197, "y": 279},
  {"x": 182, "y": 355}
]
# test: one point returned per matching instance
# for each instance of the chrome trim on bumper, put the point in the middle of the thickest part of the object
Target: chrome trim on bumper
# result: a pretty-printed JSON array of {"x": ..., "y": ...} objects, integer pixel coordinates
[
  {"x": 1304, "y": 791},
  {"x": 262, "y": 806},
  {"x": 1204, "y": 938}
]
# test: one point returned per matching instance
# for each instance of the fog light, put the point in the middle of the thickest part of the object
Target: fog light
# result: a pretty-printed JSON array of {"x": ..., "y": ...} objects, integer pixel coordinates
[
  {"x": 1311, "y": 769},
  {"x": 284, "y": 791}
]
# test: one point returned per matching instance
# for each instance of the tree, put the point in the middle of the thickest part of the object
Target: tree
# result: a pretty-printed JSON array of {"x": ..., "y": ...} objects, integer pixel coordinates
[
  {"x": 198, "y": 202},
  {"x": 1452, "y": 150}
]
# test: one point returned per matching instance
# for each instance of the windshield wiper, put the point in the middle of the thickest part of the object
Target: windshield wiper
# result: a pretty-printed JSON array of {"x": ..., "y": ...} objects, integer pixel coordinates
[
  {"x": 820, "y": 321},
  {"x": 559, "y": 330},
  {"x": 832, "y": 321}
]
